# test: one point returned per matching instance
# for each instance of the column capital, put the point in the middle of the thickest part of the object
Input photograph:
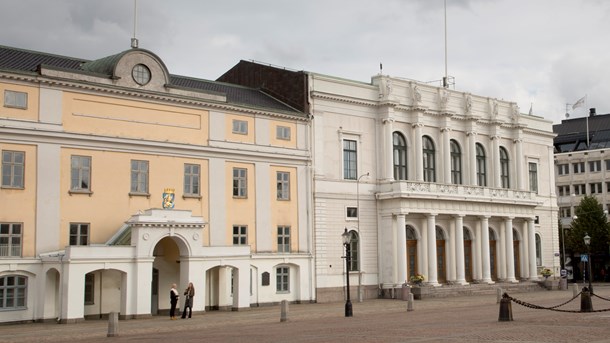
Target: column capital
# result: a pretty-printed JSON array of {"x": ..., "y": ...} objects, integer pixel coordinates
[
  {"x": 517, "y": 140},
  {"x": 430, "y": 215},
  {"x": 418, "y": 125},
  {"x": 398, "y": 214},
  {"x": 388, "y": 120},
  {"x": 446, "y": 129},
  {"x": 471, "y": 133},
  {"x": 495, "y": 137},
  {"x": 459, "y": 216},
  {"x": 484, "y": 217}
]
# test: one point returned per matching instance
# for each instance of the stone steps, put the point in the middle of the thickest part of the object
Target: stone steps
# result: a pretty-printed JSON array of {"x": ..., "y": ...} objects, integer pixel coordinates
[{"x": 474, "y": 289}]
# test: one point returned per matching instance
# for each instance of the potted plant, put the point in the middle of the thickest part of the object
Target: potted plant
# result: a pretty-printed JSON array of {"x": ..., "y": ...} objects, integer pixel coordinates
[
  {"x": 417, "y": 279},
  {"x": 546, "y": 272}
]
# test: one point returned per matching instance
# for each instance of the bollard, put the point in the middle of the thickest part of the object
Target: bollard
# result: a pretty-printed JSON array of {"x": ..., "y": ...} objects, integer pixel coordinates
[
  {"x": 113, "y": 324},
  {"x": 575, "y": 289},
  {"x": 406, "y": 290},
  {"x": 410, "y": 303},
  {"x": 284, "y": 311},
  {"x": 499, "y": 295},
  {"x": 506, "y": 311},
  {"x": 585, "y": 301}
]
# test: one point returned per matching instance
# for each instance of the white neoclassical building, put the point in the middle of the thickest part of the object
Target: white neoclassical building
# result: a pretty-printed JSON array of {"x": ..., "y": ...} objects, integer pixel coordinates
[{"x": 454, "y": 186}]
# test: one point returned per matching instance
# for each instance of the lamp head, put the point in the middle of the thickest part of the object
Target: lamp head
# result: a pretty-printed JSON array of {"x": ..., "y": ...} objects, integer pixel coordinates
[
  {"x": 346, "y": 237},
  {"x": 587, "y": 239}
]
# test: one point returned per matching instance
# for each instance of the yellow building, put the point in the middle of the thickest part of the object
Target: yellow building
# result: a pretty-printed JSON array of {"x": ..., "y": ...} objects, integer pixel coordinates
[{"x": 120, "y": 179}]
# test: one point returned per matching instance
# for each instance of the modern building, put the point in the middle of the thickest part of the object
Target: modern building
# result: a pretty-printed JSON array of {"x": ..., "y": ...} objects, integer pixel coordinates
[
  {"x": 454, "y": 186},
  {"x": 119, "y": 179}
]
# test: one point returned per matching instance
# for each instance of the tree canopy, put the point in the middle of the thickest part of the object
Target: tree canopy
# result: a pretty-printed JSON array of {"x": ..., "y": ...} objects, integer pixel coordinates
[{"x": 590, "y": 219}]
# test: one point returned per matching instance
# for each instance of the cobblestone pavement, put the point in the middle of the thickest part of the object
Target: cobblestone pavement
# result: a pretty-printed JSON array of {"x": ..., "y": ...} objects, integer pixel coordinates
[{"x": 457, "y": 319}]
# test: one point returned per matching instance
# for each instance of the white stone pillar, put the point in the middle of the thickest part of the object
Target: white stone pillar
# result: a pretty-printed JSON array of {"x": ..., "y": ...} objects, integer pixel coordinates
[
  {"x": 446, "y": 167},
  {"x": 459, "y": 250},
  {"x": 519, "y": 165},
  {"x": 495, "y": 142},
  {"x": 531, "y": 235},
  {"x": 486, "y": 265},
  {"x": 472, "y": 158},
  {"x": 419, "y": 158},
  {"x": 401, "y": 249},
  {"x": 510, "y": 253},
  {"x": 432, "y": 262},
  {"x": 389, "y": 148}
]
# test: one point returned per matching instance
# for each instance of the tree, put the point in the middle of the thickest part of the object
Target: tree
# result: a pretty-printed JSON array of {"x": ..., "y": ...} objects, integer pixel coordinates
[{"x": 591, "y": 220}]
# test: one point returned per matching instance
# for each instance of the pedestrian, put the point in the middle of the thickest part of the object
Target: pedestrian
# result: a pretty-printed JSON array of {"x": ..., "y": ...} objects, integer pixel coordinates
[
  {"x": 173, "y": 300},
  {"x": 189, "y": 293}
]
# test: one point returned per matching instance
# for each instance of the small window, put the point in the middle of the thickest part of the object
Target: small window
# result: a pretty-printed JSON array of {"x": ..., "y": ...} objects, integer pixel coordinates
[
  {"x": 139, "y": 177},
  {"x": 283, "y": 132},
  {"x": 89, "y": 288},
  {"x": 192, "y": 179},
  {"x": 607, "y": 164},
  {"x": 533, "y": 174},
  {"x": 80, "y": 174},
  {"x": 563, "y": 169},
  {"x": 596, "y": 188},
  {"x": 595, "y": 166},
  {"x": 352, "y": 212},
  {"x": 240, "y": 127},
  {"x": 240, "y": 182},
  {"x": 563, "y": 190},
  {"x": 282, "y": 279},
  {"x": 13, "y": 291},
  {"x": 578, "y": 167},
  {"x": 565, "y": 212},
  {"x": 350, "y": 161},
  {"x": 13, "y": 168},
  {"x": 15, "y": 99},
  {"x": 580, "y": 189},
  {"x": 141, "y": 74},
  {"x": 79, "y": 234},
  {"x": 10, "y": 239},
  {"x": 240, "y": 235},
  {"x": 283, "y": 186},
  {"x": 283, "y": 239}
]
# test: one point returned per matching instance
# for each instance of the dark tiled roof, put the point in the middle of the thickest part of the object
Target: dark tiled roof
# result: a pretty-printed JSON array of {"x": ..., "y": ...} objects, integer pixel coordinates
[
  {"x": 572, "y": 133},
  {"x": 29, "y": 61}
]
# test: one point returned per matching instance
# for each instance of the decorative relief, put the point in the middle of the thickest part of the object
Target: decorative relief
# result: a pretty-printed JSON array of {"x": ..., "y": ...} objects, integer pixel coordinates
[
  {"x": 467, "y": 103},
  {"x": 443, "y": 98},
  {"x": 145, "y": 236},
  {"x": 195, "y": 236}
]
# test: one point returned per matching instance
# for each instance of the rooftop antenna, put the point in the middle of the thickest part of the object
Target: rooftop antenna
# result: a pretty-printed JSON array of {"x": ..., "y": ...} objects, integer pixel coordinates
[
  {"x": 445, "y": 83},
  {"x": 380, "y": 68},
  {"x": 134, "y": 40}
]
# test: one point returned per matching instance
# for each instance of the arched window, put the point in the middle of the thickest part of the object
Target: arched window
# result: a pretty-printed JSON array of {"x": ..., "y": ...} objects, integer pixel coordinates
[
  {"x": 400, "y": 156},
  {"x": 456, "y": 163},
  {"x": 411, "y": 235},
  {"x": 504, "y": 168},
  {"x": 481, "y": 166},
  {"x": 538, "y": 250},
  {"x": 354, "y": 251},
  {"x": 429, "y": 152}
]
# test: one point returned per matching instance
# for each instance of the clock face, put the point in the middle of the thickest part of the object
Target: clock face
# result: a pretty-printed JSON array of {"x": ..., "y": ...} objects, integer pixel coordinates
[{"x": 141, "y": 74}]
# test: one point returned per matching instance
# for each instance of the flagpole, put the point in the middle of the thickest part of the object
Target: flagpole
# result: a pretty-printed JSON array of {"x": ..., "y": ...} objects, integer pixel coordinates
[{"x": 587, "y": 121}]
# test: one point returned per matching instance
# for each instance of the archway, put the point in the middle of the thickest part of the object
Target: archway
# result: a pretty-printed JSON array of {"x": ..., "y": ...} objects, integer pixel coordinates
[
  {"x": 165, "y": 272},
  {"x": 493, "y": 261},
  {"x": 516, "y": 253},
  {"x": 103, "y": 293},
  {"x": 467, "y": 255},
  {"x": 52, "y": 298},
  {"x": 441, "y": 266},
  {"x": 411, "y": 251}
]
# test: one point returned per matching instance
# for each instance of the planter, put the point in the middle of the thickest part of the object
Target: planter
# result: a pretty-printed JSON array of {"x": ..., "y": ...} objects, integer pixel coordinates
[{"x": 419, "y": 292}]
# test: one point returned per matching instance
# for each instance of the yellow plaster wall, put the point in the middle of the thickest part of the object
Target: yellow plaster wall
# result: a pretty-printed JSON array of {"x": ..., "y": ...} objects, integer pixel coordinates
[
  {"x": 241, "y": 211},
  {"x": 30, "y": 113},
  {"x": 19, "y": 205},
  {"x": 284, "y": 212},
  {"x": 292, "y": 143},
  {"x": 110, "y": 204},
  {"x": 236, "y": 137},
  {"x": 116, "y": 117}
]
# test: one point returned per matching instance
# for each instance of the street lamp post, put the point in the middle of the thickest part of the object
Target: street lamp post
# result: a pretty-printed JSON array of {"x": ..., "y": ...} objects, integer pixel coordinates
[
  {"x": 346, "y": 242},
  {"x": 590, "y": 260},
  {"x": 358, "y": 228}
]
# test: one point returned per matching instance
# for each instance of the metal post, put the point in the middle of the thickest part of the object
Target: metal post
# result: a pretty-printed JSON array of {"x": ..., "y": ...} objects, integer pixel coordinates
[
  {"x": 348, "y": 302},
  {"x": 358, "y": 230},
  {"x": 590, "y": 262}
]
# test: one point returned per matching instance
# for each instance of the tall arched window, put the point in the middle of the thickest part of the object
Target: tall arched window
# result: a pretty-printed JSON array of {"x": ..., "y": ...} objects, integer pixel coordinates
[
  {"x": 354, "y": 251},
  {"x": 538, "y": 250},
  {"x": 456, "y": 163},
  {"x": 400, "y": 156},
  {"x": 504, "y": 168},
  {"x": 481, "y": 166},
  {"x": 429, "y": 152}
]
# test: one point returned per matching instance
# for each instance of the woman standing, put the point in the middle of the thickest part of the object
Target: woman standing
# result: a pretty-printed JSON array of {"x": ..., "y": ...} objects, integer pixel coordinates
[
  {"x": 173, "y": 300},
  {"x": 188, "y": 303}
]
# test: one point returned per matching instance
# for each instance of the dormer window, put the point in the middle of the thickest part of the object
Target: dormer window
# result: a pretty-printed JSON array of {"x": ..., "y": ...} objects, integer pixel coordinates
[{"x": 141, "y": 74}]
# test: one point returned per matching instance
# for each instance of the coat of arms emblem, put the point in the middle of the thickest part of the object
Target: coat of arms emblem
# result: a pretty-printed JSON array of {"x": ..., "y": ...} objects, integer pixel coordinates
[{"x": 168, "y": 198}]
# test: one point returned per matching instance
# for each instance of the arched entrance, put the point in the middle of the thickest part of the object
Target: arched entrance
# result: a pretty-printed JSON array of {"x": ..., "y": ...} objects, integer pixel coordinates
[
  {"x": 440, "y": 255},
  {"x": 103, "y": 293},
  {"x": 165, "y": 272},
  {"x": 516, "y": 254},
  {"x": 220, "y": 286},
  {"x": 467, "y": 254},
  {"x": 52, "y": 298},
  {"x": 493, "y": 261},
  {"x": 411, "y": 251}
]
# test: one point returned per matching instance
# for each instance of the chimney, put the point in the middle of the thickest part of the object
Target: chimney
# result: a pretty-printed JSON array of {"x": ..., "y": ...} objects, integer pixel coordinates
[{"x": 592, "y": 112}]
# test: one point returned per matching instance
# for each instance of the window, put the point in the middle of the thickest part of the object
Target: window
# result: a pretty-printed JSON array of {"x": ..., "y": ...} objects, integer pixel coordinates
[
  {"x": 349, "y": 160},
  {"x": 429, "y": 159},
  {"x": 89, "y": 288},
  {"x": 563, "y": 169},
  {"x": 192, "y": 177},
  {"x": 351, "y": 212},
  {"x": 13, "y": 166},
  {"x": 538, "y": 250},
  {"x": 15, "y": 99},
  {"x": 139, "y": 176},
  {"x": 140, "y": 74},
  {"x": 240, "y": 127},
  {"x": 563, "y": 190},
  {"x": 607, "y": 164},
  {"x": 608, "y": 187},
  {"x": 565, "y": 212},
  {"x": 596, "y": 188},
  {"x": 481, "y": 166},
  {"x": 283, "y": 186},
  {"x": 282, "y": 275},
  {"x": 595, "y": 166},
  {"x": 353, "y": 252},
  {"x": 240, "y": 182},
  {"x": 456, "y": 163},
  {"x": 282, "y": 132},
  {"x": 79, "y": 234},
  {"x": 10, "y": 239},
  {"x": 578, "y": 167},
  {"x": 400, "y": 156},
  {"x": 13, "y": 290},
  {"x": 533, "y": 173},
  {"x": 80, "y": 173},
  {"x": 504, "y": 168},
  {"x": 283, "y": 239},
  {"x": 580, "y": 189},
  {"x": 240, "y": 235}
]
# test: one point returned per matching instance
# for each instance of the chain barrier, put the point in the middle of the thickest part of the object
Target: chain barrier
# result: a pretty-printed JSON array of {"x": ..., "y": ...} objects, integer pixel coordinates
[
  {"x": 599, "y": 296},
  {"x": 553, "y": 308}
]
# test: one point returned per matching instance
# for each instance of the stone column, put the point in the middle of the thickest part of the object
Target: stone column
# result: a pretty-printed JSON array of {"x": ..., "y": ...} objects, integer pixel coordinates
[
  {"x": 432, "y": 262},
  {"x": 419, "y": 158},
  {"x": 531, "y": 236},
  {"x": 401, "y": 249},
  {"x": 510, "y": 254},
  {"x": 459, "y": 250},
  {"x": 486, "y": 265}
]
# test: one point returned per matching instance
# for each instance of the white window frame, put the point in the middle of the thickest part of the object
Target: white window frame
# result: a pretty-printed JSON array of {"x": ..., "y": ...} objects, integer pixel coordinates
[
  {"x": 80, "y": 173},
  {"x": 240, "y": 235},
  {"x": 139, "y": 176},
  {"x": 240, "y": 127},
  {"x": 283, "y": 239},
  {"x": 282, "y": 279},
  {"x": 13, "y": 169},
  {"x": 12, "y": 234},
  {"x": 15, "y": 99},
  {"x": 282, "y": 132},
  {"x": 240, "y": 182},
  {"x": 16, "y": 292},
  {"x": 76, "y": 232},
  {"x": 192, "y": 179},
  {"x": 283, "y": 185},
  {"x": 351, "y": 213}
]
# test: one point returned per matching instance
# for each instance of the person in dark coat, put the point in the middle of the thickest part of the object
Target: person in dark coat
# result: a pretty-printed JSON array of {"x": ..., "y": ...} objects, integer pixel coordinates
[
  {"x": 173, "y": 300},
  {"x": 189, "y": 293}
]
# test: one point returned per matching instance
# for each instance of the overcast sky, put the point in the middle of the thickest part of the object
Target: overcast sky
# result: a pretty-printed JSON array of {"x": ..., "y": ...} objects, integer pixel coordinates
[{"x": 548, "y": 53}]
